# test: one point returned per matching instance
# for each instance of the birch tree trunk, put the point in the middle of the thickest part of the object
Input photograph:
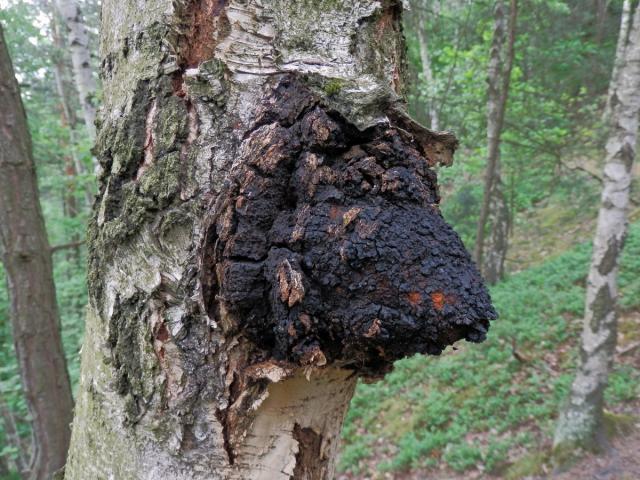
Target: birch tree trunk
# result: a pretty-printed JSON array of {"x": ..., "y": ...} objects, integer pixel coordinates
[
  {"x": 427, "y": 72},
  {"x": 498, "y": 241},
  {"x": 27, "y": 259},
  {"x": 499, "y": 78},
  {"x": 267, "y": 230},
  {"x": 73, "y": 164},
  {"x": 601, "y": 7},
  {"x": 621, "y": 46},
  {"x": 78, "y": 41},
  {"x": 581, "y": 422}
]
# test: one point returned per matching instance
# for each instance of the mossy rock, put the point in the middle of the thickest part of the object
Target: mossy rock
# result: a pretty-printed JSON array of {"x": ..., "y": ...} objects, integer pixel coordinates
[
  {"x": 617, "y": 424},
  {"x": 527, "y": 466}
]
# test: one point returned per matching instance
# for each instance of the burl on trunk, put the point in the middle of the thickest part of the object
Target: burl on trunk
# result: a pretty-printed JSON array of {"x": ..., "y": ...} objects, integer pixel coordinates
[
  {"x": 267, "y": 231},
  {"x": 327, "y": 246}
]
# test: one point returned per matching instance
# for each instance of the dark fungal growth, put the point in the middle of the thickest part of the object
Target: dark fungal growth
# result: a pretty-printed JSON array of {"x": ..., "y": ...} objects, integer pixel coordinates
[{"x": 328, "y": 245}]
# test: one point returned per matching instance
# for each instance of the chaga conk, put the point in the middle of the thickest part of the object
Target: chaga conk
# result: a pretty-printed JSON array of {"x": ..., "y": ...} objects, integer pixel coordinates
[{"x": 328, "y": 245}]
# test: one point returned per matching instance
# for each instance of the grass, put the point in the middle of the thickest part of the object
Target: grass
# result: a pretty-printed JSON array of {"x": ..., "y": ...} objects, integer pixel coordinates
[{"x": 479, "y": 406}]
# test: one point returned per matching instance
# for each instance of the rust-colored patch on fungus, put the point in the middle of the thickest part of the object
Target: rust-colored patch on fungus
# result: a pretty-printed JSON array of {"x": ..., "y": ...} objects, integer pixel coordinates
[
  {"x": 438, "y": 300},
  {"x": 415, "y": 298},
  {"x": 335, "y": 212},
  {"x": 374, "y": 329}
]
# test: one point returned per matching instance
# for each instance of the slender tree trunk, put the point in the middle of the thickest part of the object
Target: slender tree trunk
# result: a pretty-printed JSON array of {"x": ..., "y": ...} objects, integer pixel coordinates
[
  {"x": 601, "y": 7},
  {"x": 70, "y": 158},
  {"x": 4, "y": 467},
  {"x": 78, "y": 41},
  {"x": 581, "y": 422},
  {"x": 27, "y": 259},
  {"x": 499, "y": 79},
  {"x": 623, "y": 36},
  {"x": 72, "y": 164},
  {"x": 498, "y": 241},
  {"x": 264, "y": 200},
  {"x": 427, "y": 72},
  {"x": 13, "y": 436},
  {"x": 60, "y": 71}
]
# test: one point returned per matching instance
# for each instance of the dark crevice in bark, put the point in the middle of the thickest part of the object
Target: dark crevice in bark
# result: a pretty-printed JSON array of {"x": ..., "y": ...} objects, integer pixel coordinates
[
  {"x": 222, "y": 417},
  {"x": 350, "y": 261},
  {"x": 128, "y": 145},
  {"x": 148, "y": 150},
  {"x": 247, "y": 385},
  {"x": 310, "y": 462}
]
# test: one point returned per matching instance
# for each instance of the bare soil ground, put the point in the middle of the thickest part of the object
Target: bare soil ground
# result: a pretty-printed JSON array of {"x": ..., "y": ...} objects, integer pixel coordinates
[{"x": 622, "y": 462}]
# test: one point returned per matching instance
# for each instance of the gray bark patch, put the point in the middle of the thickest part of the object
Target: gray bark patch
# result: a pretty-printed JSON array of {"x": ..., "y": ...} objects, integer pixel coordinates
[
  {"x": 602, "y": 305},
  {"x": 123, "y": 340},
  {"x": 610, "y": 258}
]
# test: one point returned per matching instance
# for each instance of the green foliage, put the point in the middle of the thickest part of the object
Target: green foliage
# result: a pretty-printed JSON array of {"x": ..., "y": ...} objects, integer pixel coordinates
[
  {"x": 472, "y": 406},
  {"x": 561, "y": 71}
]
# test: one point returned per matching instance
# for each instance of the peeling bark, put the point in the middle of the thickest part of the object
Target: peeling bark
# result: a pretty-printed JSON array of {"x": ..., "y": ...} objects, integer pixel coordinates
[
  {"x": 26, "y": 256},
  {"x": 580, "y": 423},
  {"x": 267, "y": 231}
]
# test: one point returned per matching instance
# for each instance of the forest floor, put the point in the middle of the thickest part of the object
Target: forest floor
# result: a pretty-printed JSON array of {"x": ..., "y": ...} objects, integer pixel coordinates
[
  {"x": 488, "y": 411},
  {"x": 621, "y": 462}
]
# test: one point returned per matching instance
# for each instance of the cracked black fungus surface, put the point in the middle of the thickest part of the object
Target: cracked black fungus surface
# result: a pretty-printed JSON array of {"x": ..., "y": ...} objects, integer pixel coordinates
[{"x": 329, "y": 247}]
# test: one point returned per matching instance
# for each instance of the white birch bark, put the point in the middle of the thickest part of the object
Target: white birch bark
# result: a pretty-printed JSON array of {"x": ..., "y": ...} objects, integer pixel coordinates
[
  {"x": 621, "y": 46},
  {"x": 78, "y": 41},
  {"x": 427, "y": 72},
  {"x": 581, "y": 422},
  {"x": 60, "y": 73}
]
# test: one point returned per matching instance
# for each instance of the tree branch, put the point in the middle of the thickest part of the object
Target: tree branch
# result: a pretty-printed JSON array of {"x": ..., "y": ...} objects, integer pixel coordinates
[{"x": 65, "y": 246}]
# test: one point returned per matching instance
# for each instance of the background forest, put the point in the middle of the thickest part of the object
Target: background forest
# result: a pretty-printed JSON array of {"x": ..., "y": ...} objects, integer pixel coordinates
[{"x": 474, "y": 412}]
